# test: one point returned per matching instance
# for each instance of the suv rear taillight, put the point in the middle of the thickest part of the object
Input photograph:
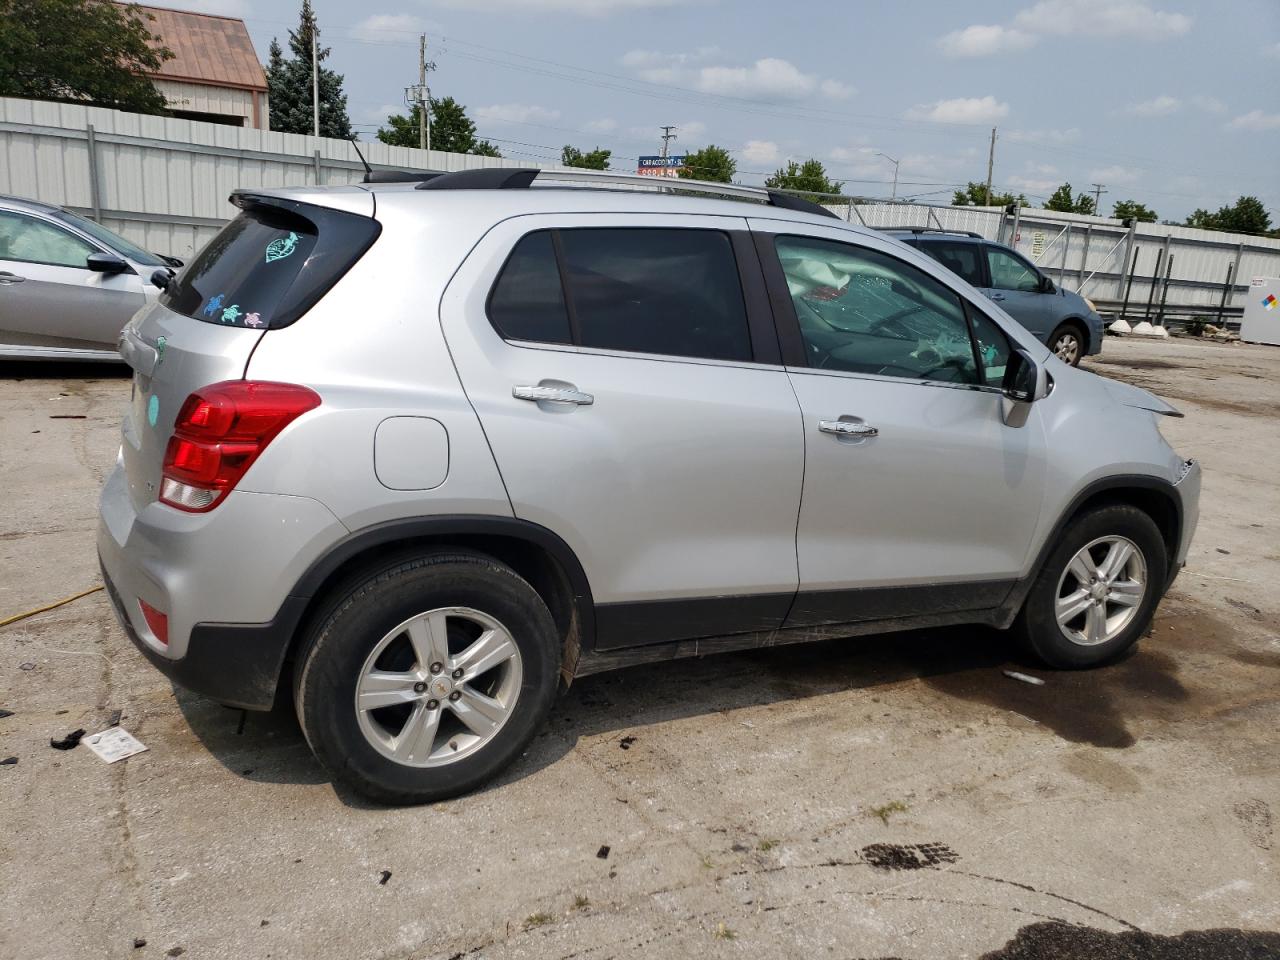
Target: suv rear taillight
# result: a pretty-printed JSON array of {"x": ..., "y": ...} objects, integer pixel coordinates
[{"x": 219, "y": 432}]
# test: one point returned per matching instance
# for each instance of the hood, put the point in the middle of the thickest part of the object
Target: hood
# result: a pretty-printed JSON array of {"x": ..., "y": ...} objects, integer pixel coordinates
[{"x": 1132, "y": 396}]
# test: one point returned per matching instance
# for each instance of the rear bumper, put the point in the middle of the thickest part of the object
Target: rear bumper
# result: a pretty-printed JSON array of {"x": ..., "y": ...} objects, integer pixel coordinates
[{"x": 222, "y": 578}]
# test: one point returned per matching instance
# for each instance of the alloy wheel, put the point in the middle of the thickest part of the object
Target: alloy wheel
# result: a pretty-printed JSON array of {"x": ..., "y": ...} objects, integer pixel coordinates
[
  {"x": 438, "y": 687},
  {"x": 1067, "y": 348},
  {"x": 1100, "y": 591}
]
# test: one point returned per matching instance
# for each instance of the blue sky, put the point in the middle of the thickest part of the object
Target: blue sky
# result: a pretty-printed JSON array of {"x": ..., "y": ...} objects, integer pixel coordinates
[{"x": 1170, "y": 102}]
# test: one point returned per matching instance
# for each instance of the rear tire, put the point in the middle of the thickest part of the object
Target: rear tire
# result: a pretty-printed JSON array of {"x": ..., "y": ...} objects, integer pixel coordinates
[
  {"x": 1098, "y": 590},
  {"x": 428, "y": 677},
  {"x": 1067, "y": 344}
]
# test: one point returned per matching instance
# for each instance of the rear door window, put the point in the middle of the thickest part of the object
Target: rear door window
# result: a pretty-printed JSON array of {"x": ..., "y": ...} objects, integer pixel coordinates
[
  {"x": 28, "y": 240},
  {"x": 270, "y": 264},
  {"x": 1011, "y": 272},
  {"x": 962, "y": 259},
  {"x": 669, "y": 291}
]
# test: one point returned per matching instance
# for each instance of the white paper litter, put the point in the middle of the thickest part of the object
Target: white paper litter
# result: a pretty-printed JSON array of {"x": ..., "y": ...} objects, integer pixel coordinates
[
  {"x": 114, "y": 744},
  {"x": 1025, "y": 678}
]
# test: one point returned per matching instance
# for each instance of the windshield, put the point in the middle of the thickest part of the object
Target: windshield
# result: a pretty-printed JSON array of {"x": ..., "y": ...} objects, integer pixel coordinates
[{"x": 112, "y": 240}]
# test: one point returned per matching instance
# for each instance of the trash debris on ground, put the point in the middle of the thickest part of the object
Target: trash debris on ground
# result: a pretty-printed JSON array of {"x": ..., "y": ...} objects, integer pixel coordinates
[
  {"x": 382, "y": 879},
  {"x": 114, "y": 744},
  {"x": 139, "y": 942},
  {"x": 28, "y": 666},
  {"x": 1225, "y": 552},
  {"x": 68, "y": 742},
  {"x": 603, "y": 853},
  {"x": 67, "y": 416},
  {"x": 626, "y": 742},
  {"x": 45, "y": 609},
  {"x": 1024, "y": 677},
  {"x": 8, "y": 761},
  {"x": 5, "y": 713},
  {"x": 115, "y": 718}
]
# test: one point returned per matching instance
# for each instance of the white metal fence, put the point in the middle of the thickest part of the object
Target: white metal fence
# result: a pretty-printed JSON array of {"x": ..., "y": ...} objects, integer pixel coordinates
[
  {"x": 1096, "y": 255},
  {"x": 163, "y": 182}
]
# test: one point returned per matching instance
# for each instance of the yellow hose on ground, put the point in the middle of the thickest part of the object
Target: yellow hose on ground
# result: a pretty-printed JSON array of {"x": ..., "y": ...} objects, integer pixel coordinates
[{"x": 52, "y": 606}]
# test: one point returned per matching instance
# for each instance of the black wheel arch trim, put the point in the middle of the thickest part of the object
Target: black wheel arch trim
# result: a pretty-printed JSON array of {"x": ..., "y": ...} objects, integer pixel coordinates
[{"x": 1119, "y": 482}]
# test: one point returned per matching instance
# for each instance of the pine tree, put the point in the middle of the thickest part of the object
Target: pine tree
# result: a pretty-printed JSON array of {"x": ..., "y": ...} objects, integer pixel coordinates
[{"x": 289, "y": 84}]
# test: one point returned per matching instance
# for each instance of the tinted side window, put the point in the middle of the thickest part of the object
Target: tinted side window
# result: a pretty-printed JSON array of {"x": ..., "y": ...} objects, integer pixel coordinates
[
  {"x": 993, "y": 347},
  {"x": 961, "y": 259},
  {"x": 865, "y": 312},
  {"x": 33, "y": 241},
  {"x": 527, "y": 302},
  {"x": 656, "y": 290},
  {"x": 1011, "y": 273}
]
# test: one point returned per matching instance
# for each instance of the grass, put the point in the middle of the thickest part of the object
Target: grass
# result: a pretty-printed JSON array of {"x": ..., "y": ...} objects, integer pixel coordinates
[
  {"x": 765, "y": 845},
  {"x": 707, "y": 863},
  {"x": 538, "y": 919},
  {"x": 894, "y": 806},
  {"x": 581, "y": 902},
  {"x": 722, "y": 932}
]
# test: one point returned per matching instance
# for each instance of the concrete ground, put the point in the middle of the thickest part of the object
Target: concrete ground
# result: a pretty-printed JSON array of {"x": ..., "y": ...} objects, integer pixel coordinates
[{"x": 890, "y": 796}]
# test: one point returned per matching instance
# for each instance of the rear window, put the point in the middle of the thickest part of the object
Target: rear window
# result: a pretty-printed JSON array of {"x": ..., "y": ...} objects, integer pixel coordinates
[
  {"x": 270, "y": 264},
  {"x": 959, "y": 258}
]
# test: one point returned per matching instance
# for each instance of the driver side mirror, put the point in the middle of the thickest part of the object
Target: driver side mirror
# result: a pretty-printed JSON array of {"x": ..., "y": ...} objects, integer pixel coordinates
[
  {"x": 105, "y": 263},
  {"x": 1046, "y": 285}
]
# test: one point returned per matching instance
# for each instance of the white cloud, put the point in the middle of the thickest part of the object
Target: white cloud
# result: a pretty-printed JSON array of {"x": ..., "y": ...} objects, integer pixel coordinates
[
  {"x": 982, "y": 40},
  {"x": 638, "y": 59},
  {"x": 385, "y": 26},
  {"x": 852, "y": 154},
  {"x": 1114, "y": 175},
  {"x": 1068, "y": 135},
  {"x": 836, "y": 90},
  {"x": 768, "y": 78},
  {"x": 1209, "y": 104},
  {"x": 603, "y": 125},
  {"x": 960, "y": 110},
  {"x": 517, "y": 113},
  {"x": 1131, "y": 19},
  {"x": 1255, "y": 120},
  {"x": 593, "y": 8},
  {"x": 760, "y": 152},
  {"x": 379, "y": 114},
  {"x": 1032, "y": 185},
  {"x": 1160, "y": 106}
]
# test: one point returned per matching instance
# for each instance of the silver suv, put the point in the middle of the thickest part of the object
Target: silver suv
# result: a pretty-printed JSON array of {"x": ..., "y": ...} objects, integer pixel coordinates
[{"x": 414, "y": 453}]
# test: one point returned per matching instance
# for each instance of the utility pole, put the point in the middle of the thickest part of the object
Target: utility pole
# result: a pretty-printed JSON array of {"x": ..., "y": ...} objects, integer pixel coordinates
[
  {"x": 895, "y": 174},
  {"x": 1097, "y": 192},
  {"x": 991, "y": 164},
  {"x": 420, "y": 95},
  {"x": 667, "y": 136},
  {"x": 315, "y": 83}
]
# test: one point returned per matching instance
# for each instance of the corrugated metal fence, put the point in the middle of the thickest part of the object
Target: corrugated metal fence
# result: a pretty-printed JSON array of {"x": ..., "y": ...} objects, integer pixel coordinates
[
  {"x": 1096, "y": 255},
  {"x": 163, "y": 182}
]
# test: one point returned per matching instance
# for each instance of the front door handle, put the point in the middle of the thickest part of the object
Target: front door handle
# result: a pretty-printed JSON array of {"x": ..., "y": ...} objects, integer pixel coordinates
[
  {"x": 848, "y": 428},
  {"x": 6, "y": 277},
  {"x": 997, "y": 296},
  {"x": 540, "y": 394}
]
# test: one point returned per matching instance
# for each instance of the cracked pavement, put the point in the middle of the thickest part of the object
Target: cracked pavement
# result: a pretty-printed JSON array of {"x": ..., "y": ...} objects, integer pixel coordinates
[{"x": 1139, "y": 797}]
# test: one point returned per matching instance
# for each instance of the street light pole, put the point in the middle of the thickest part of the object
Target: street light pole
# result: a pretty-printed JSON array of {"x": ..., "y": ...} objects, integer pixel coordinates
[{"x": 895, "y": 174}]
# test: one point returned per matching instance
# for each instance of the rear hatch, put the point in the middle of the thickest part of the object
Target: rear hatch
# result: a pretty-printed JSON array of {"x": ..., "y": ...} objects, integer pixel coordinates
[{"x": 263, "y": 271}]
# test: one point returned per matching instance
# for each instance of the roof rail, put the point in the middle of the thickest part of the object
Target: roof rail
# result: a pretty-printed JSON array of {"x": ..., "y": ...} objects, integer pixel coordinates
[
  {"x": 963, "y": 233},
  {"x": 503, "y": 178},
  {"x": 398, "y": 176}
]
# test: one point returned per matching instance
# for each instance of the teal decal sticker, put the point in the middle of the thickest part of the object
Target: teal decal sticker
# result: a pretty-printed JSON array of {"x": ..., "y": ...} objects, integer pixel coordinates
[
  {"x": 281, "y": 247},
  {"x": 231, "y": 314},
  {"x": 153, "y": 410},
  {"x": 214, "y": 304},
  {"x": 160, "y": 345}
]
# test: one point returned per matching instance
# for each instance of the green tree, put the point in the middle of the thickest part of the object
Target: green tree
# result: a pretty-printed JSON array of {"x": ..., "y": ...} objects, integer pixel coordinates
[
  {"x": 1246, "y": 215},
  {"x": 596, "y": 159},
  {"x": 289, "y": 84},
  {"x": 975, "y": 195},
  {"x": 810, "y": 176},
  {"x": 1063, "y": 201},
  {"x": 1124, "y": 209},
  {"x": 710, "y": 163},
  {"x": 451, "y": 130},
  {"x": 80, "y": 50}
]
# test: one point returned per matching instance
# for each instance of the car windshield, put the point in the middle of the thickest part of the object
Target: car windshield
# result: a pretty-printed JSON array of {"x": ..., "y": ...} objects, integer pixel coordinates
[{"x": 112, "y": 240}]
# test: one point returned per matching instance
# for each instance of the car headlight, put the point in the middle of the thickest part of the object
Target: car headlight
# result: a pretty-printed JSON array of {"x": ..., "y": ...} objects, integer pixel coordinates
[{"x": 1092, "y": 306}]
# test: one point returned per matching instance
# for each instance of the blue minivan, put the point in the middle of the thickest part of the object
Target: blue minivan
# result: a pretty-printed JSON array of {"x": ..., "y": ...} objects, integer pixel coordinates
[{"x": 1065, "y": 322}]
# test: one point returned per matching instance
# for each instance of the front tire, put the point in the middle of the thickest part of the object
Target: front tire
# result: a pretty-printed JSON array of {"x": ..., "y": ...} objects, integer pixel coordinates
[
  {"x": 1067, "y": 344},
  {"x": 428, "y": 677},
  {"x": 1098, "y": 590}
]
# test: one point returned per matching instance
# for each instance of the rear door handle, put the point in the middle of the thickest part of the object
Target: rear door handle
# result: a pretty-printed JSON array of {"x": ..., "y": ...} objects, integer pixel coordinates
[
  {"x": 539, "y": 394},
  {"x": 6, "y": 277},
  {"x": 848, "y": 428}
]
